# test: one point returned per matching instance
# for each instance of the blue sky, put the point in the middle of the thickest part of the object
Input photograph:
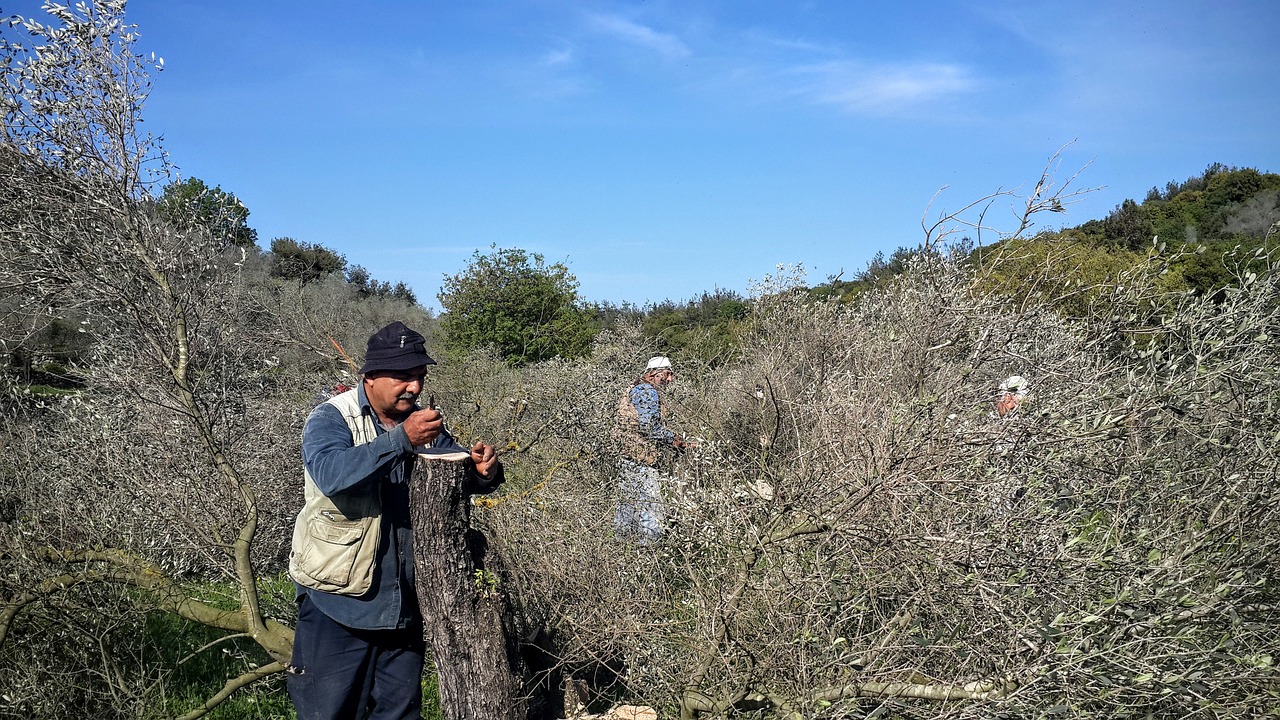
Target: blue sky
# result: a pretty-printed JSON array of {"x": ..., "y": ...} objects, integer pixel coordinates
[{"x": 662, "y": 148}]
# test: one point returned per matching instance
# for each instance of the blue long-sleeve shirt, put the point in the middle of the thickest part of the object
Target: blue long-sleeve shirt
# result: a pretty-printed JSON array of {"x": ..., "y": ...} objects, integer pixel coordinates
[
  {"x": 645, "y": 398},
  {"x": 337, "y": 464}
]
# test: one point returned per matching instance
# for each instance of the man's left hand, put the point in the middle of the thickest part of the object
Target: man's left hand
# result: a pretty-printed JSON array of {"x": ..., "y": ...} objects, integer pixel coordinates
[{"x": 485, "y": 459}]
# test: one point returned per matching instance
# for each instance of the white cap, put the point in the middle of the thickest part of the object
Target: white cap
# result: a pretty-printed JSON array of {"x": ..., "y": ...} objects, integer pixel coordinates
[
  {"x": 1014, "y": 383},
  {"x": 658, "y": 362}
]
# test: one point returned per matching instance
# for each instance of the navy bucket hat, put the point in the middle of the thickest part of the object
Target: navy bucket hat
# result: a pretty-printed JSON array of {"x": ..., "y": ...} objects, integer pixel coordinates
[{"x": 396, "y": 347}]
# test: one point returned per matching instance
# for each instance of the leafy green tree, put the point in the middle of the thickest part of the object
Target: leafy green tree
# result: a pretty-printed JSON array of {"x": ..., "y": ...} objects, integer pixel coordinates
[
  {"x": 607, "y": 314},
  {"x": 1219, "y": 203},
  {"x": 1129, "y": 226},
  {"x": 878, "y": 269},
  {"x": 1216, "y": 266},
  {"x": 403, "y": 292},
  {"x": 1179, "y": 218},
  {"x": 1055, "y": 269},
  {"x": 518, "y": 304},
  {"x": 359, "y": 278},
  {"x": 707, "y": 327},
  {"x": 191, "y": 203},
  {"x": 1235, "y": 186},
  {"x": 367, "y": 286},
  {"x": 1212, "y": 226},
  {"x": 295, "y": 260}
]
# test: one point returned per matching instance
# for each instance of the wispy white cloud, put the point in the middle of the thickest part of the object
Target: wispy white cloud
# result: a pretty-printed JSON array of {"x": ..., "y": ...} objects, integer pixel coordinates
[
  {"x": 558, "y": 57},
  {"x": 865, "y": 88},
  {"x": 858, "y": 87},
  {"x": 757, "y": 64},
  {"x": 554, "y": 74},
  {"x": 793, "y": 44},
  {"x": 620, "y": 28}
]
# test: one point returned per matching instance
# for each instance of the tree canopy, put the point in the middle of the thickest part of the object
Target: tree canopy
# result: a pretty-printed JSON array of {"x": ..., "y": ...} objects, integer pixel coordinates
[
  {"x": 191, "y": 202},
  {"x": 303, "y": 261},
  {"x": 518, "y": 304}
]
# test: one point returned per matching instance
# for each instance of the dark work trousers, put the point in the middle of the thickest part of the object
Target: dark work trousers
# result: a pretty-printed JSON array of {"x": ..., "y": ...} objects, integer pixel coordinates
[{"x": 341, "y": 673}]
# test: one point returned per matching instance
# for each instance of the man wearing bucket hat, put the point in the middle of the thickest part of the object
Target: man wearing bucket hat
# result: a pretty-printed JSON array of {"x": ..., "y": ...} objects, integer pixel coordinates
[
  {"x": 642, "y": 436},
  {"x": 358, "y": 645}
]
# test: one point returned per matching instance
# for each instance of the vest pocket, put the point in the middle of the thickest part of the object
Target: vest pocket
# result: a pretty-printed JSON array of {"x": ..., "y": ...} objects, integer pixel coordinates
[{"x": 332, "y": 551}]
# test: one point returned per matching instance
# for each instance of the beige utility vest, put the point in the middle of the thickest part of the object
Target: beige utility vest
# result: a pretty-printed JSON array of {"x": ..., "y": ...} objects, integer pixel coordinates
[{"x": 335, "y": 539}]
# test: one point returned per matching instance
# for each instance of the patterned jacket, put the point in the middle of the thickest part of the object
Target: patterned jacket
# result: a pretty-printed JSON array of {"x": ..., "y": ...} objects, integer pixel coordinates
[{"x": 639, "y": 429}]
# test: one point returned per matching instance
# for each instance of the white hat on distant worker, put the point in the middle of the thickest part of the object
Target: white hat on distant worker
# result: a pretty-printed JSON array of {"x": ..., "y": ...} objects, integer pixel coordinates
[
  {"x": 658, "y": 362},
  {"x": 1014, "y": 384}
]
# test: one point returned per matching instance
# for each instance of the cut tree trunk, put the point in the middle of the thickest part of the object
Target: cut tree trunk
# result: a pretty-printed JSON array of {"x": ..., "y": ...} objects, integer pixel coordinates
[{"x": 465, "y": 610}]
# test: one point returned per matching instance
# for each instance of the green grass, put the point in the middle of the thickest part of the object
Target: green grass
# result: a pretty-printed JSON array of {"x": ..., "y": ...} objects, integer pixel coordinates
[
  {"x": 431, "y": 697},
  {"x": 196, "y": 677},
  {"x": 196, "y": 674}
]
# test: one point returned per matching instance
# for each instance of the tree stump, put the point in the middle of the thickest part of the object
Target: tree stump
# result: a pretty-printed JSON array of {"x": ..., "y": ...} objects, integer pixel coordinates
[{"x": 465, "y": 611}]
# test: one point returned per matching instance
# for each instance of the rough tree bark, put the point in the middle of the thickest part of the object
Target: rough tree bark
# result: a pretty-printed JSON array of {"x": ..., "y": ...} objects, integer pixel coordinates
[{"x": 466, "y": 616}]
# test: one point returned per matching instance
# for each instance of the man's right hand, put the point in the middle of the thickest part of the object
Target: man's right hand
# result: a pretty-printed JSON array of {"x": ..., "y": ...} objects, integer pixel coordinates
[{"x": 423, "y": 426}]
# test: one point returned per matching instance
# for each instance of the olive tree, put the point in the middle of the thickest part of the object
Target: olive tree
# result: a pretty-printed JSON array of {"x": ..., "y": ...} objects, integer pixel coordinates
[
  {"x": 174, "y": 472},
  {"x": 155, "y": 468}
]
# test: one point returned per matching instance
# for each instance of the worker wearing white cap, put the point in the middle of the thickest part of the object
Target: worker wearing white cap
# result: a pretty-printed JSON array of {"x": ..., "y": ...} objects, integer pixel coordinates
[
  {"x": 1012, "y": 392},
  {"x": 642, "y": 435}
]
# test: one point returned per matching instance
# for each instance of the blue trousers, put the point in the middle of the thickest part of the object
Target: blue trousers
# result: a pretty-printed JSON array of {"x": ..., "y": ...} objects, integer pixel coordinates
[
  {"x": 641, "y": 514},
  {"x": 342, "y": 673}
]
